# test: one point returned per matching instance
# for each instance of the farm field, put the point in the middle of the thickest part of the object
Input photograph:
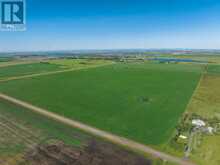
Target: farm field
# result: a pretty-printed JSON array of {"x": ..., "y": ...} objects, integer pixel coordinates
[
  {"x": 26, "y": 69},
  {"x": 113, "y": 97},
  {"x": 21, "y": 131},
  {"x": 47, "y": 128},
  {"x": 206, "y": 101},
  {"x": 12, "y": 62},
  {"x": 23, "y": 140},
  {"x": 214, "y": 69},
  {"x": 78, "y": 63},
  {"x": 4, "y": 59},
  {"x": 44, "y": 67}
]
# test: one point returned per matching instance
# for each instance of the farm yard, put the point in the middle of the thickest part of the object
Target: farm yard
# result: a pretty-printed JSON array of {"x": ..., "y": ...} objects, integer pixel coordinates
[{"x": 140, "y": 101}]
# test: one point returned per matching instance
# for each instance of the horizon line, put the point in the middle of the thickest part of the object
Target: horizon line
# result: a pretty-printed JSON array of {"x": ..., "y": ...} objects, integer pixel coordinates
[{"x": 113, "y": 49}]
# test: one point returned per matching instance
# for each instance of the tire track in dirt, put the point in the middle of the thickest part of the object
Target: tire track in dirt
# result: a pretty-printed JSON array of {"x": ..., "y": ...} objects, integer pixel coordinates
[
  {"x": 18, "y": 130},
  {"x": 132, "y": 145}
]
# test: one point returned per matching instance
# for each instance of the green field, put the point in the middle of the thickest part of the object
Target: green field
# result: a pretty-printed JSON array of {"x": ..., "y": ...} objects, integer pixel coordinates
[
  {"x": 46, "y": 66},
  {"x": 78, "y": 63},
  {"x": 214, "y": 69},
  {"x": 26, "y": 69},
  {"x": 139, "y": 101},
  {"x": 28, "y": 131},
  {"x": 5, "y": 59}
]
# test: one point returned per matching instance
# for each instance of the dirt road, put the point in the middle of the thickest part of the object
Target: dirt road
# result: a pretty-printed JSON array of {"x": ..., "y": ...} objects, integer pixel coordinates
[{"x": 99, "y": 133}]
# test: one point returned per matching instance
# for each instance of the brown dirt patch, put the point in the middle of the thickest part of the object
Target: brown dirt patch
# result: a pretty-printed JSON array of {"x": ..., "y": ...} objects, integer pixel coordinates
[{"x": 96, "y": 153}]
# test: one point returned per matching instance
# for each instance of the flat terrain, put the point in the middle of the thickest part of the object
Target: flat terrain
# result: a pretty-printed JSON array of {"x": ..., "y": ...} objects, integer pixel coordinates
[
  {"x": 4, "y": 59},
  {"x": 206, "y": 103},
  {"x": 98, "y": 133},
  {"x": 21, "y": 131},
  {"x": 206, "y": 100},
  {"x": 44, "y": 129},
  {"x": 26, "y": 69},
  {"x": 17, "y": 70},
  {"x": 24, "y": 140},
  {"x": 78, "y": 63},
  {"x": 214, "y": 69},
  {"x": 138, "y": 101}
]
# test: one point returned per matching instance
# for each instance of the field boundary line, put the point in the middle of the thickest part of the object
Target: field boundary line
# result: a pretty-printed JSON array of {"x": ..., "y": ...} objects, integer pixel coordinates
[
  {"x": 50, "y": 73},
  {"x": 132, "y": 145},
  {"x": 196, "y": 89}
]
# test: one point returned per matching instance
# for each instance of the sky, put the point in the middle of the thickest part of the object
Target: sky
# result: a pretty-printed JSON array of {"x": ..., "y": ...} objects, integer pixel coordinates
[{"x": 116, "y": 24}]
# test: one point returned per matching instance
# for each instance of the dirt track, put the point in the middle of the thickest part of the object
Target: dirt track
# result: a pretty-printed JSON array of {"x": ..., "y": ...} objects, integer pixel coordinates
[{"x": 99, "y": 133}]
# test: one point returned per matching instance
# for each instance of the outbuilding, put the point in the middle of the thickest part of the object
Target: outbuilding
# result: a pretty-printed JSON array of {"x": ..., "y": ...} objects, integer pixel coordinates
[{"x": 198, "y": 123}]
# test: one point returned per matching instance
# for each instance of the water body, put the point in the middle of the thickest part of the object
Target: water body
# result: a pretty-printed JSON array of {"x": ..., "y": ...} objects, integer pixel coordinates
[{"x": 176, "y": 60}]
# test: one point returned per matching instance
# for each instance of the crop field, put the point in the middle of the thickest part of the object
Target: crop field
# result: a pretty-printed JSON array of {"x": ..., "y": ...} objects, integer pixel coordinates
[
  {"x": 47, "y": 128},
  {"x": 4, "y": 59},
  {"x": 21, "y": 131},
  {"x": 206, "y": 101},
  {"x": 78, "y": 63},
  {"x": 26, "y": 69},
  {"x": 15, "y": 139},
  {"x": 214, "y": 69},
  {"x": 142, "y": 102},
  {"x": 46, "y": 66},
  {"x": 24, "y": 140}
]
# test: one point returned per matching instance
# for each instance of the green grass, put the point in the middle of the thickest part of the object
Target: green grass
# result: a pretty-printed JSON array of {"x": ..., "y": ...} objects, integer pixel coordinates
[
  {"x": 26, "y": 69},
  {"x": 78, "y": 63},
  {"x": 214, "y": 69},
  {"x": 138, "y": 101},
  {"x": 208, "y": 152},
  {"x": 5, "y": 59},
  {"x": 206, "y": 100},
  {"x": 50, "y": 65}
]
